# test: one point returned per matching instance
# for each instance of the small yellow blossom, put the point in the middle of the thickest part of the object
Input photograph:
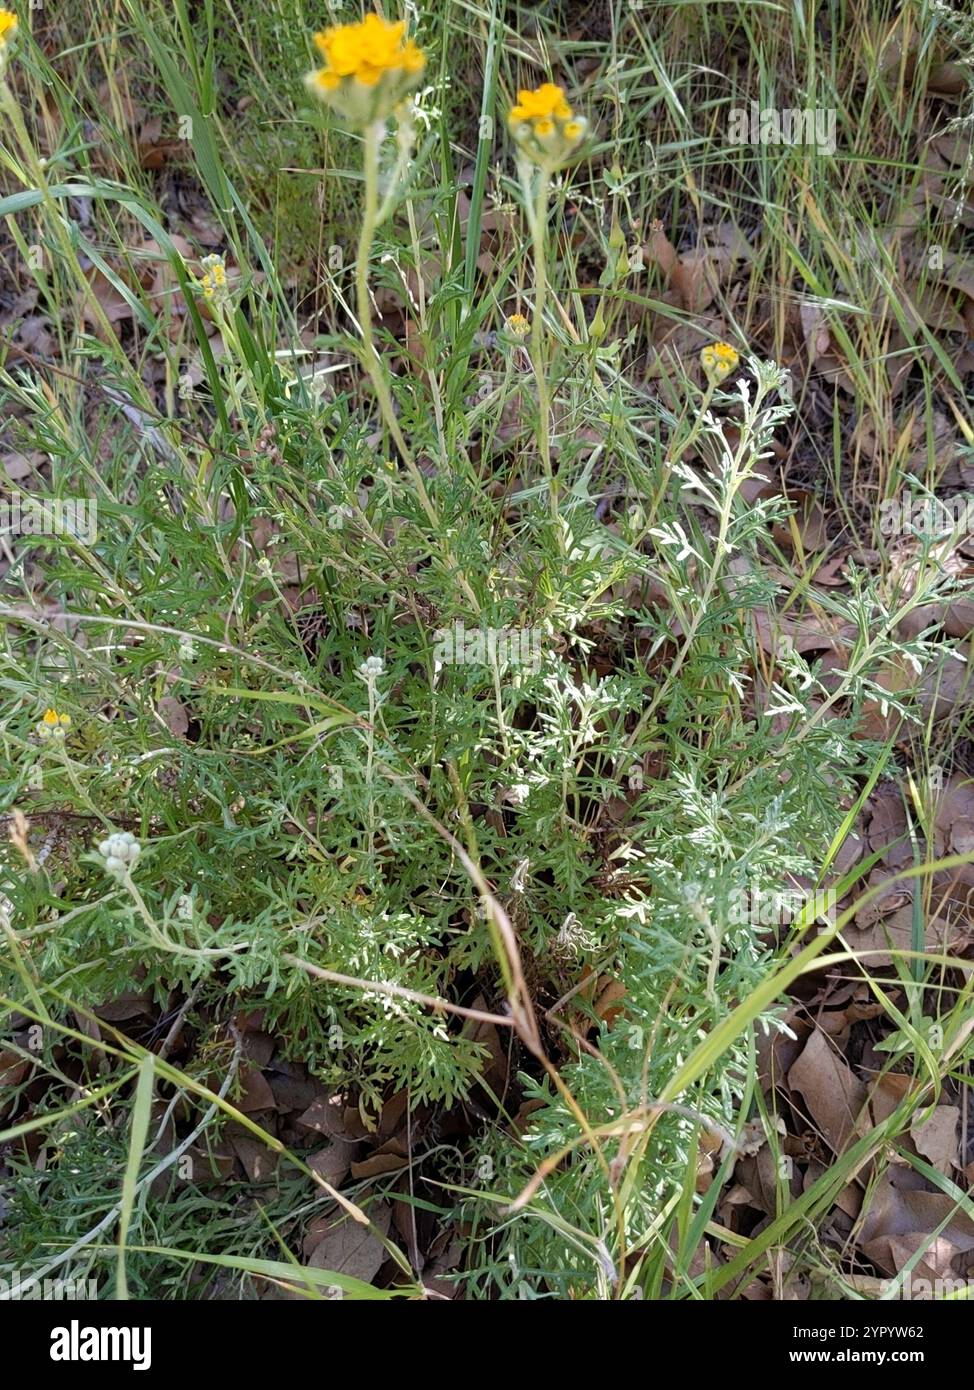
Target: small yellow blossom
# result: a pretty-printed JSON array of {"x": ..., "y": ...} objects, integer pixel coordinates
[
  {"x": 213, "y": 281},
  {"x": 517, "y": 326},
  {"x": 8, "y": 29},
  {"x": 544, "y": 126},
  {"x": 368, "y": 68},
  {"x": 718, "y": 361},
  {"x": 53, "y": 725},
  {"x": 546, "y": 100}
]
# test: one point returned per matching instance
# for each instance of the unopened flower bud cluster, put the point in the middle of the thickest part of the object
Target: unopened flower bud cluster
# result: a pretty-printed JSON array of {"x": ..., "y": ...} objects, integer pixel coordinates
[{"x": 120, "y": 852}]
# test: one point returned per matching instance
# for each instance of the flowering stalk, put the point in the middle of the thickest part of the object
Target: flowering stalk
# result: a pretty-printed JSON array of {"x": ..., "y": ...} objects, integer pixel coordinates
[
  {"x": 214, "y": 289},
  {"x": 736, "y": 467},
  {"x": 369, "y": 70},
  {"x": 537, "y": 214},
  {"x": 547, "y": 133},
  {"x": 372, "y": 137},
  {"x": 718, "y": 360},
  {"x": 120, "y": 852}
]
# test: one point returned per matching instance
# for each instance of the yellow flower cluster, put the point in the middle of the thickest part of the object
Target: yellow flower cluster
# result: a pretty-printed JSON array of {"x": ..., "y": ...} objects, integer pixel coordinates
[
  {"x": 517, "y": 326},
  {"x": 368, "y": 68},
  {"x": 8, "y": 28},
  {"x": 718, "y": 361},
  {"x": 544, "y": 126},
  {"x": 213, "y": 281},
  {"x": 53, "y": 725}
]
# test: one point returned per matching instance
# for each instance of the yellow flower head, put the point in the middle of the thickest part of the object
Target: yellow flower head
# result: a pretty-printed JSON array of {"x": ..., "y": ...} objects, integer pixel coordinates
[
  {"x": 517, "y": 326},
  {"x": 718, "y": 361},
  {"x": 546, "y": 100},
  {"x": 544, "y": 126},
  {"x": 53, "y": 724},
  {"x": 8, "y": 28},
  {"x": 368, "y": 68},
  {"x": 213, "y": 281}
]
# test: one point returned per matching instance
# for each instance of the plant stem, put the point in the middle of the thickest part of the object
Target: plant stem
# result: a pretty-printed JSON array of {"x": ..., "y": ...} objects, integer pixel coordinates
[
  {"x": 373, "y": 363},
  {"x": 538, "y": 220}
]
